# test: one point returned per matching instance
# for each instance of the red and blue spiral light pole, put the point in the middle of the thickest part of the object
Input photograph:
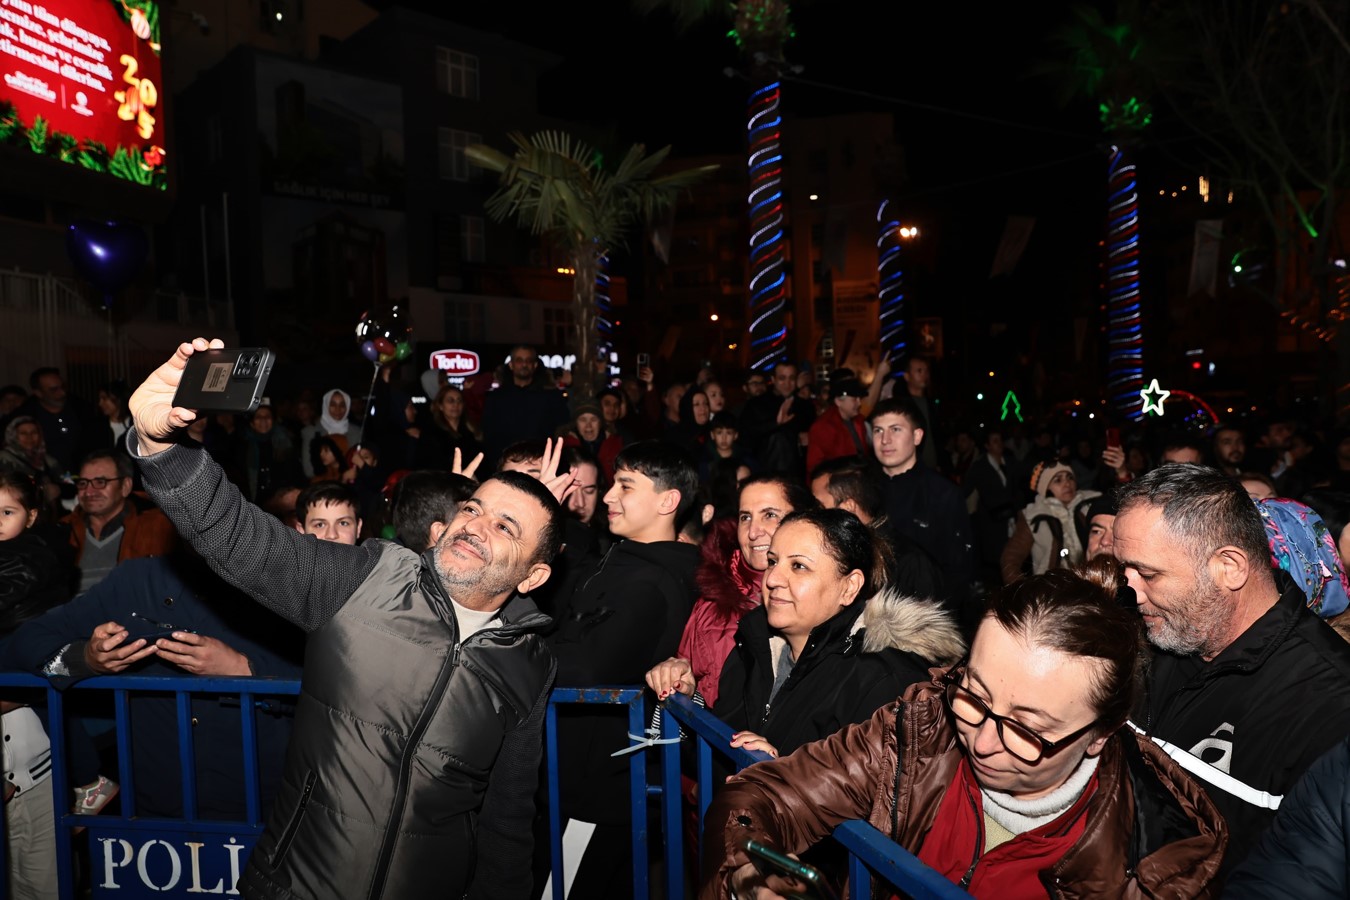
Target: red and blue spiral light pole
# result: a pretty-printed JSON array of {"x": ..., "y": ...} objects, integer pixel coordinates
[
  {"x": 1124, "y": 315},
  {"x": 768, "y": 281},
  {"x": 891, "y": 285}
]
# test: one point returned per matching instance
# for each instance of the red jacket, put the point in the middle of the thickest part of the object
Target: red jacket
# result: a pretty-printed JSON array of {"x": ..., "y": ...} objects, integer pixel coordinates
[
  {"x": 828, "y": 438},
  {"x": 710, "y": 633}
]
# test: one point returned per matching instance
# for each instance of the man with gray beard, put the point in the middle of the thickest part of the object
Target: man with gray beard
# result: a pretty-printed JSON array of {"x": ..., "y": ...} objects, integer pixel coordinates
[
  {"x": 418, "y": 731},
  {"x": 1246, "y": 687}
]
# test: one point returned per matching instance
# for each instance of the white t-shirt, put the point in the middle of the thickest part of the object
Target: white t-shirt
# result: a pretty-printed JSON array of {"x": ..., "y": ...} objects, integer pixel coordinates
[{"x": 472, "y": 621}]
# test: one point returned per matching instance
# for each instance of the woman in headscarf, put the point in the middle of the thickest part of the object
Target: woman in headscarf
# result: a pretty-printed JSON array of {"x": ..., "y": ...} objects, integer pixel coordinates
[
  {"x": 1303, "y": 545},
  {"x": 333, "y": 421},
  {"x": 25, "y": 452},
  {"x": 334, "y": 409}
]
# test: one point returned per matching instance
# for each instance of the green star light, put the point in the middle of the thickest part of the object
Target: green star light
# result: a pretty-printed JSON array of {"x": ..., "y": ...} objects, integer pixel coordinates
[{"x": 1154, "y": 397}]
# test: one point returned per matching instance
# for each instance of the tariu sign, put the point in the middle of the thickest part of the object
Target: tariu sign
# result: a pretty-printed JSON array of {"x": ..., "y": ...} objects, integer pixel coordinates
[{"x": 455, "y": 362}]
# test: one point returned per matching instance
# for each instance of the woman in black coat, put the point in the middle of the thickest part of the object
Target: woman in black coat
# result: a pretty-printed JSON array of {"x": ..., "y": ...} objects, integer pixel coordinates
[{"x": 826, "y": 649}]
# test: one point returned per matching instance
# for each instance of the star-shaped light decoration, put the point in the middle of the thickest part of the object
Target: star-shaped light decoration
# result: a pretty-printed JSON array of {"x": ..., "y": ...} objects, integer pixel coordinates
[{"x": 1154, "y": 397}]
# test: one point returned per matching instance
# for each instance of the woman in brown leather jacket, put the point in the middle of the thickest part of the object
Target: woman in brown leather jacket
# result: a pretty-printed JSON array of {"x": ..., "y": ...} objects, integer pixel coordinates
[{"x": 1009, "y": 773}]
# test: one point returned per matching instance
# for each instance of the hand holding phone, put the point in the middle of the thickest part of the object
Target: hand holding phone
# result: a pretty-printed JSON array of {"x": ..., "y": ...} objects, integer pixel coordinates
[
  {"x": 152, "y": 404},
  {"x": 788, "y": 877}
]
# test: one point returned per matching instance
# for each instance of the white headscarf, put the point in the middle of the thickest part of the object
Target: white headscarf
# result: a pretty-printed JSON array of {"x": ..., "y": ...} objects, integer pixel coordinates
[{"x": 327, "y": 422}]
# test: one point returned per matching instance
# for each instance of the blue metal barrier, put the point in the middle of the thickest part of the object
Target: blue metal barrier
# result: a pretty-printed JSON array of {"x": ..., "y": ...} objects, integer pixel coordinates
[
  {"x": 637, "y": 779},
  {"x": 871, "y": 853},
  {"x": 159, "y": 867}
]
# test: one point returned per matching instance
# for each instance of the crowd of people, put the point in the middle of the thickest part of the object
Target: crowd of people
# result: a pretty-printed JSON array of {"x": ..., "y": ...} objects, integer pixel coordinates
[{"x": 1028, "y": 653}]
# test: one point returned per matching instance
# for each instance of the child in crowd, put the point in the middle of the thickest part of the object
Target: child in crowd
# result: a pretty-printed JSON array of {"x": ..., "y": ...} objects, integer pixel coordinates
[{"x": 31, "y": 582}]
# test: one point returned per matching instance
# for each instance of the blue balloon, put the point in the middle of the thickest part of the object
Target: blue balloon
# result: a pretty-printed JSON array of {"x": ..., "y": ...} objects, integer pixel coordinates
[
  {"x": 108, "y": 255},
  {"x": 370, "y": 351}
]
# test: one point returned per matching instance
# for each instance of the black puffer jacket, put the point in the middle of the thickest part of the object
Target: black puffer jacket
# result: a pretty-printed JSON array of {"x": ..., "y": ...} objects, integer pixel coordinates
[
  {"x": 1306, "y": 852},
  {"x": 853, "y": 664},
  {"x": 412, "y": 765},
  {"x": 32, "y": 580}
]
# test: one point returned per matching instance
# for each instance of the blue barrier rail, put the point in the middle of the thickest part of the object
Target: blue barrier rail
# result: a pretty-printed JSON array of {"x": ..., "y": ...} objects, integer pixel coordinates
[
  {"x": 871, "y": 854},
  {"x": 110, "y": 831}
]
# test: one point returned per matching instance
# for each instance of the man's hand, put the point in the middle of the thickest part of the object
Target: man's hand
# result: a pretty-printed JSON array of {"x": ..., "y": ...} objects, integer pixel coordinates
[
  {"x": 674, "y": 676},
  {"x": 202, "y": 655},
  {"x": 458, "y": 467},
  {"x": 151, "y": 406},
  {"x": 560, "y": 484},
  {"x": 105, "y": 654}
]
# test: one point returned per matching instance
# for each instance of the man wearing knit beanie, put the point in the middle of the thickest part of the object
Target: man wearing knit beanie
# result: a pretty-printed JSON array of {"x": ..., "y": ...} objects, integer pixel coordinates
[{"x": 1099, "y": 516}]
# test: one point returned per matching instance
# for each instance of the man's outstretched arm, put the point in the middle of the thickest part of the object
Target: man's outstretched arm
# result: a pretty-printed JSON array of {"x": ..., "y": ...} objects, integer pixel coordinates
[{"x": 303, "y": 579}]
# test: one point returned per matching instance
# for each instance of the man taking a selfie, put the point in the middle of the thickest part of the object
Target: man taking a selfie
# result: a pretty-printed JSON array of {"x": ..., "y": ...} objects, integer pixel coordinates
[{"x": 418, "y": 730}]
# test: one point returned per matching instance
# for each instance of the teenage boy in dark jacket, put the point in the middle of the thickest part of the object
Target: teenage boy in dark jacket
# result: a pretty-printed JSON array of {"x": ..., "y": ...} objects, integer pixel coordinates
[{"x": 626, "y": 614}]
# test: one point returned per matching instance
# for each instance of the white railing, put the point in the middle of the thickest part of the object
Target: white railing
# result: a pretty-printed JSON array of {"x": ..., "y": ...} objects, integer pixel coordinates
[{"x": 45, "y": 320}]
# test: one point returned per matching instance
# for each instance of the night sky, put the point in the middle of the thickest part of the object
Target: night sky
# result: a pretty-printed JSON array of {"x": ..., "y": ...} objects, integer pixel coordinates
[
  {"x": 956, "y": 80},
  {"x": 983, "y": 138}
]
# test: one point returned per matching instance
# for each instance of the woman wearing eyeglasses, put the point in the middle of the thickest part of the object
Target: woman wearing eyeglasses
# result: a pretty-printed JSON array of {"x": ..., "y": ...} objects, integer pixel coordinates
[{"x": 1009, "y": 773}]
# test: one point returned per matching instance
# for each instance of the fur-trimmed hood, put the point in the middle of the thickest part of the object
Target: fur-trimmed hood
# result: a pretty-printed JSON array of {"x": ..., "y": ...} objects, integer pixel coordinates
[{"x": 922, "y": 627}]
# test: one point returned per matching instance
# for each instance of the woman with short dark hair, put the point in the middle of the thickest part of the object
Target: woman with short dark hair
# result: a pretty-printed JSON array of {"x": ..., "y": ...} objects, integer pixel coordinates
[
  {"x": 827, "y": 646},
  {"x": 1010, "y": 773}
]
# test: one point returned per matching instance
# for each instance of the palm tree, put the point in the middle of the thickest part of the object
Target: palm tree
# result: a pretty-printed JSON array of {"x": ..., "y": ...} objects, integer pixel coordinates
[
  {"x": 760, "y": 29},
  {"x": 1111, "y": 63},
  {"x": 556, "y": 185}
]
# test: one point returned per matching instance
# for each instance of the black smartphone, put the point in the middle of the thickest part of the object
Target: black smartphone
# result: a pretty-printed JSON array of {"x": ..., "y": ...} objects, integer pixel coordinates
[
  {"x": 770, "y": 862},
  {"x": 644, "y": 360},
  {"x": 139, "y": 627},
  {"x": 225, "y": 380}
]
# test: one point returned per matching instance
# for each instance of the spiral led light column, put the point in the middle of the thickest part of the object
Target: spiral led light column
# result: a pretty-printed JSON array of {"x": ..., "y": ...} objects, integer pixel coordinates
[
  {"x": 1124, "y": 322},
  {"x": 604, "y": 309},
  {"x": 768, "y": 293},
  {"x": 891, "y": 282}
]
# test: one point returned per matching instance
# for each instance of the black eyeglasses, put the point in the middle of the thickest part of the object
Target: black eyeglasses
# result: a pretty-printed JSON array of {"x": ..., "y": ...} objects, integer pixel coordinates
[
  {"x": 95, "y": 483},
  {"x": 1017, "y": 739}
]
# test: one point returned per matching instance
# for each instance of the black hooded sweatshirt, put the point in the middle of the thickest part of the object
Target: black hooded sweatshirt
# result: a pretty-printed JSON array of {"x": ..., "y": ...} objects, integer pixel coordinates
[{"x": 626, "y": 615}]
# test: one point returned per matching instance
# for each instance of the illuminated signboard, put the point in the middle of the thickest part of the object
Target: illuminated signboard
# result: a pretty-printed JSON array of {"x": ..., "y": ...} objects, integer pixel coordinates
[
  {"x": 455, "y": 362},
  {"x": 80, "y": 82}
]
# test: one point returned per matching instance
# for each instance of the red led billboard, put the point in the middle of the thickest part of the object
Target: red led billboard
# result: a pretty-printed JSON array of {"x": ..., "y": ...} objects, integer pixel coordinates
[{"x": 80, "y": 82}]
